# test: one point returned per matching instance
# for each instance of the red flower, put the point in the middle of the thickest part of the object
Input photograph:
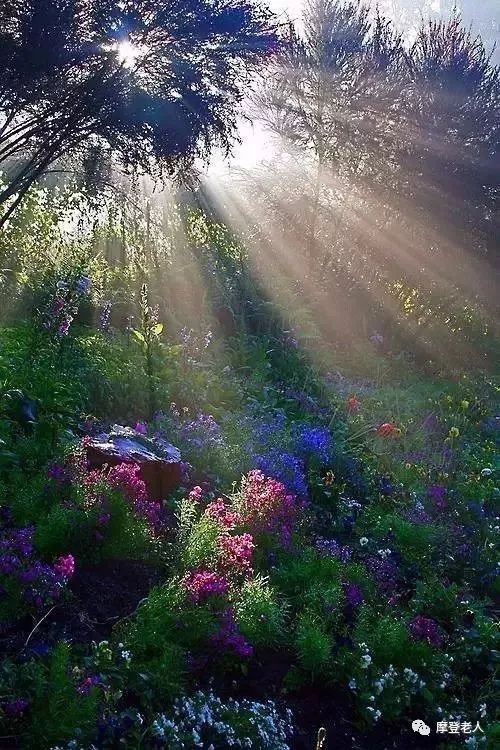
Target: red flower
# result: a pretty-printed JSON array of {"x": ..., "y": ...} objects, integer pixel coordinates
[
  {"x": 388, "y": 429},
  {"x": 353, "y": 404}
]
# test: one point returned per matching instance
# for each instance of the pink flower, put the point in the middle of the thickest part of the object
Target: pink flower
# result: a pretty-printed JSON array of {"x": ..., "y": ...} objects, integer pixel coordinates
[
  {"x": 65, "y": 566},
  {"x": 218, "y": 511},
  {"x": 141, "y": 427},
  {"x": 204, "y": 583},
  {"x": 126, "y": 478},
  {"x": 236, "y": 553},
  {"x": 267, "y": 507},
  {"x": 388, "y": 429},
  {"x": 196, "y": 494}
]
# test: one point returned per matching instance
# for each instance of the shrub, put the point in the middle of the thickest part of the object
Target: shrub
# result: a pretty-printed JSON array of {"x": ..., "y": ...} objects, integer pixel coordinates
[
  {"x": 261, "y": 616},
  {"x": 313, "y": 645}
]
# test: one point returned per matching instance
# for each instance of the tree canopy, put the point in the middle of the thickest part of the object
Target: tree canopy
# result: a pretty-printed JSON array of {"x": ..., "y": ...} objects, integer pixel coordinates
[{"x": 156, "y": 82}]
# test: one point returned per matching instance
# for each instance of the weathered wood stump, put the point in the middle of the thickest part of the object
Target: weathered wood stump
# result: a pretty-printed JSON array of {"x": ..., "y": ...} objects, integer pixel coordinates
[{"x": 159, "y": 461}]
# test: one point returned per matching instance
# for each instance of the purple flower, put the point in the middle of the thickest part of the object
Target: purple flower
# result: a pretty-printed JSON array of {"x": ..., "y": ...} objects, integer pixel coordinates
[
  {"x": 431, "y": 422},
  {"x": 83, "y": 285},
  {"x": 88, "y": 683},
  {"x": 425, "y": 629},
  {"x": 201, "y": 433},
  {"x": 141, "y": 427},
  {"x": 16, "y": 707},
  {"x": 229, "y": 638},
  {"x": 65, "y": 566},
  {"x": 105, "y": 316},
  {"x": 65, "y": 325},
  {"x": 58, "y": 473},
  {"x": 354, "y": 595},
  {"x": 385, "y": 572},
  {"x": 386, "y": 486},
  {"x": 437, "y": 493},
  {"x": 286, "y": 468},
  {"x": 333, "y": 548},
  {"x": 418, "y": 514},
  {"x": 304, "y": 400},
  {"x": 377, "y": 339},
  {"x": 9, "y": 564}
]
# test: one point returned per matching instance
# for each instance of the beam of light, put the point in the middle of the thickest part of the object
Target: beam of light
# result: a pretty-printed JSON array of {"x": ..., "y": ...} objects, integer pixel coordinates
[{"x": 358, "y": 233}]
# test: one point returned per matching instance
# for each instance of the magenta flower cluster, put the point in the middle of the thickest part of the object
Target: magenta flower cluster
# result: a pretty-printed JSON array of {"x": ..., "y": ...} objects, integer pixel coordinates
[
  {"x": 237, "y": 553},
  {"x": 196, "y": 494},
  {"x": 65, "y": 566},
  {"x": 222, "y": 514},
  {"x": 267, "y": 507},
  {"x": 37, "y": 583},
  {"x": 125, "y": 477},
  {"x": 201, "y": 584}
]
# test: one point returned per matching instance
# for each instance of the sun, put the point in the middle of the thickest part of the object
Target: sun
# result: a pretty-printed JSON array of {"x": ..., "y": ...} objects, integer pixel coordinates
[{"x": 127, "y": 53}]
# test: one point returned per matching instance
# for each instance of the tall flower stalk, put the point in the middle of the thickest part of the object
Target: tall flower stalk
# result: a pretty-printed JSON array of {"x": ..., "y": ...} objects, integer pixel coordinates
[{"x": 148, "y": 336}]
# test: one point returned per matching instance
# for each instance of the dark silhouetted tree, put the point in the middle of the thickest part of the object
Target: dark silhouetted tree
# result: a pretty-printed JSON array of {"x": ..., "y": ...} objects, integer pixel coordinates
[{"x": 156, "y": 81}]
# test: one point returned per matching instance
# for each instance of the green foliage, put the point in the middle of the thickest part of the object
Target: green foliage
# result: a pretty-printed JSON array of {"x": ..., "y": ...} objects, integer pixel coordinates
[
  {"x": 310, "y": 570},
  {"x": 165, "y": 626},
  {"x": 260, "y": 614},
  {"x": 388, "y": 639},
  {"x": 440, "y": 602},
  {"x": 326, "y": 601},
  {"x": 58, "y": 711},
  {"x": 313, "y": 645},
  {"x": 202, "y": 545}
]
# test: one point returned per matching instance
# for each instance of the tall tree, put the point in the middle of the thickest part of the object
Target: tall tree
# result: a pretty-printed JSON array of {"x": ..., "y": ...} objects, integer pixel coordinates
[
  {"x": 333, "y": 89},
  {"x": 156, "y": 81},
  {"x": 396, "y": 149}
]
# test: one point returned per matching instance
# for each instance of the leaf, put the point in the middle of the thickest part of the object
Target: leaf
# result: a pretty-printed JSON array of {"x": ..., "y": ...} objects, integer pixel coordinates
[
  {"x": 139, "y": 336},
  {"x": 157, "y": 329}
]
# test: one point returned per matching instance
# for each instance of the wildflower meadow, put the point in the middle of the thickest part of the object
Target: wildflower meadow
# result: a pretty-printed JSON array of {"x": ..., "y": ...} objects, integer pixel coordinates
[{"x": 249, "y": 424}]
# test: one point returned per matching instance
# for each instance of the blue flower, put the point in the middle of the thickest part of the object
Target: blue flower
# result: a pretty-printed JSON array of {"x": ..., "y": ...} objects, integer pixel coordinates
[
  {"x": 386, "y": 486},
  {"x": 286, "y": 468},
  {"x": 313, "y": 442}
]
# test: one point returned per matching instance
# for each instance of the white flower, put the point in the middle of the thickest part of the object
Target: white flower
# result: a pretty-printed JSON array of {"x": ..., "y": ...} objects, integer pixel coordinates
[
  {"x": 482, "y": 710},
  {"x": 366, "y": 659},
  {"x": 352, "y": 684},
  {"x": 363, "y": 541}
]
